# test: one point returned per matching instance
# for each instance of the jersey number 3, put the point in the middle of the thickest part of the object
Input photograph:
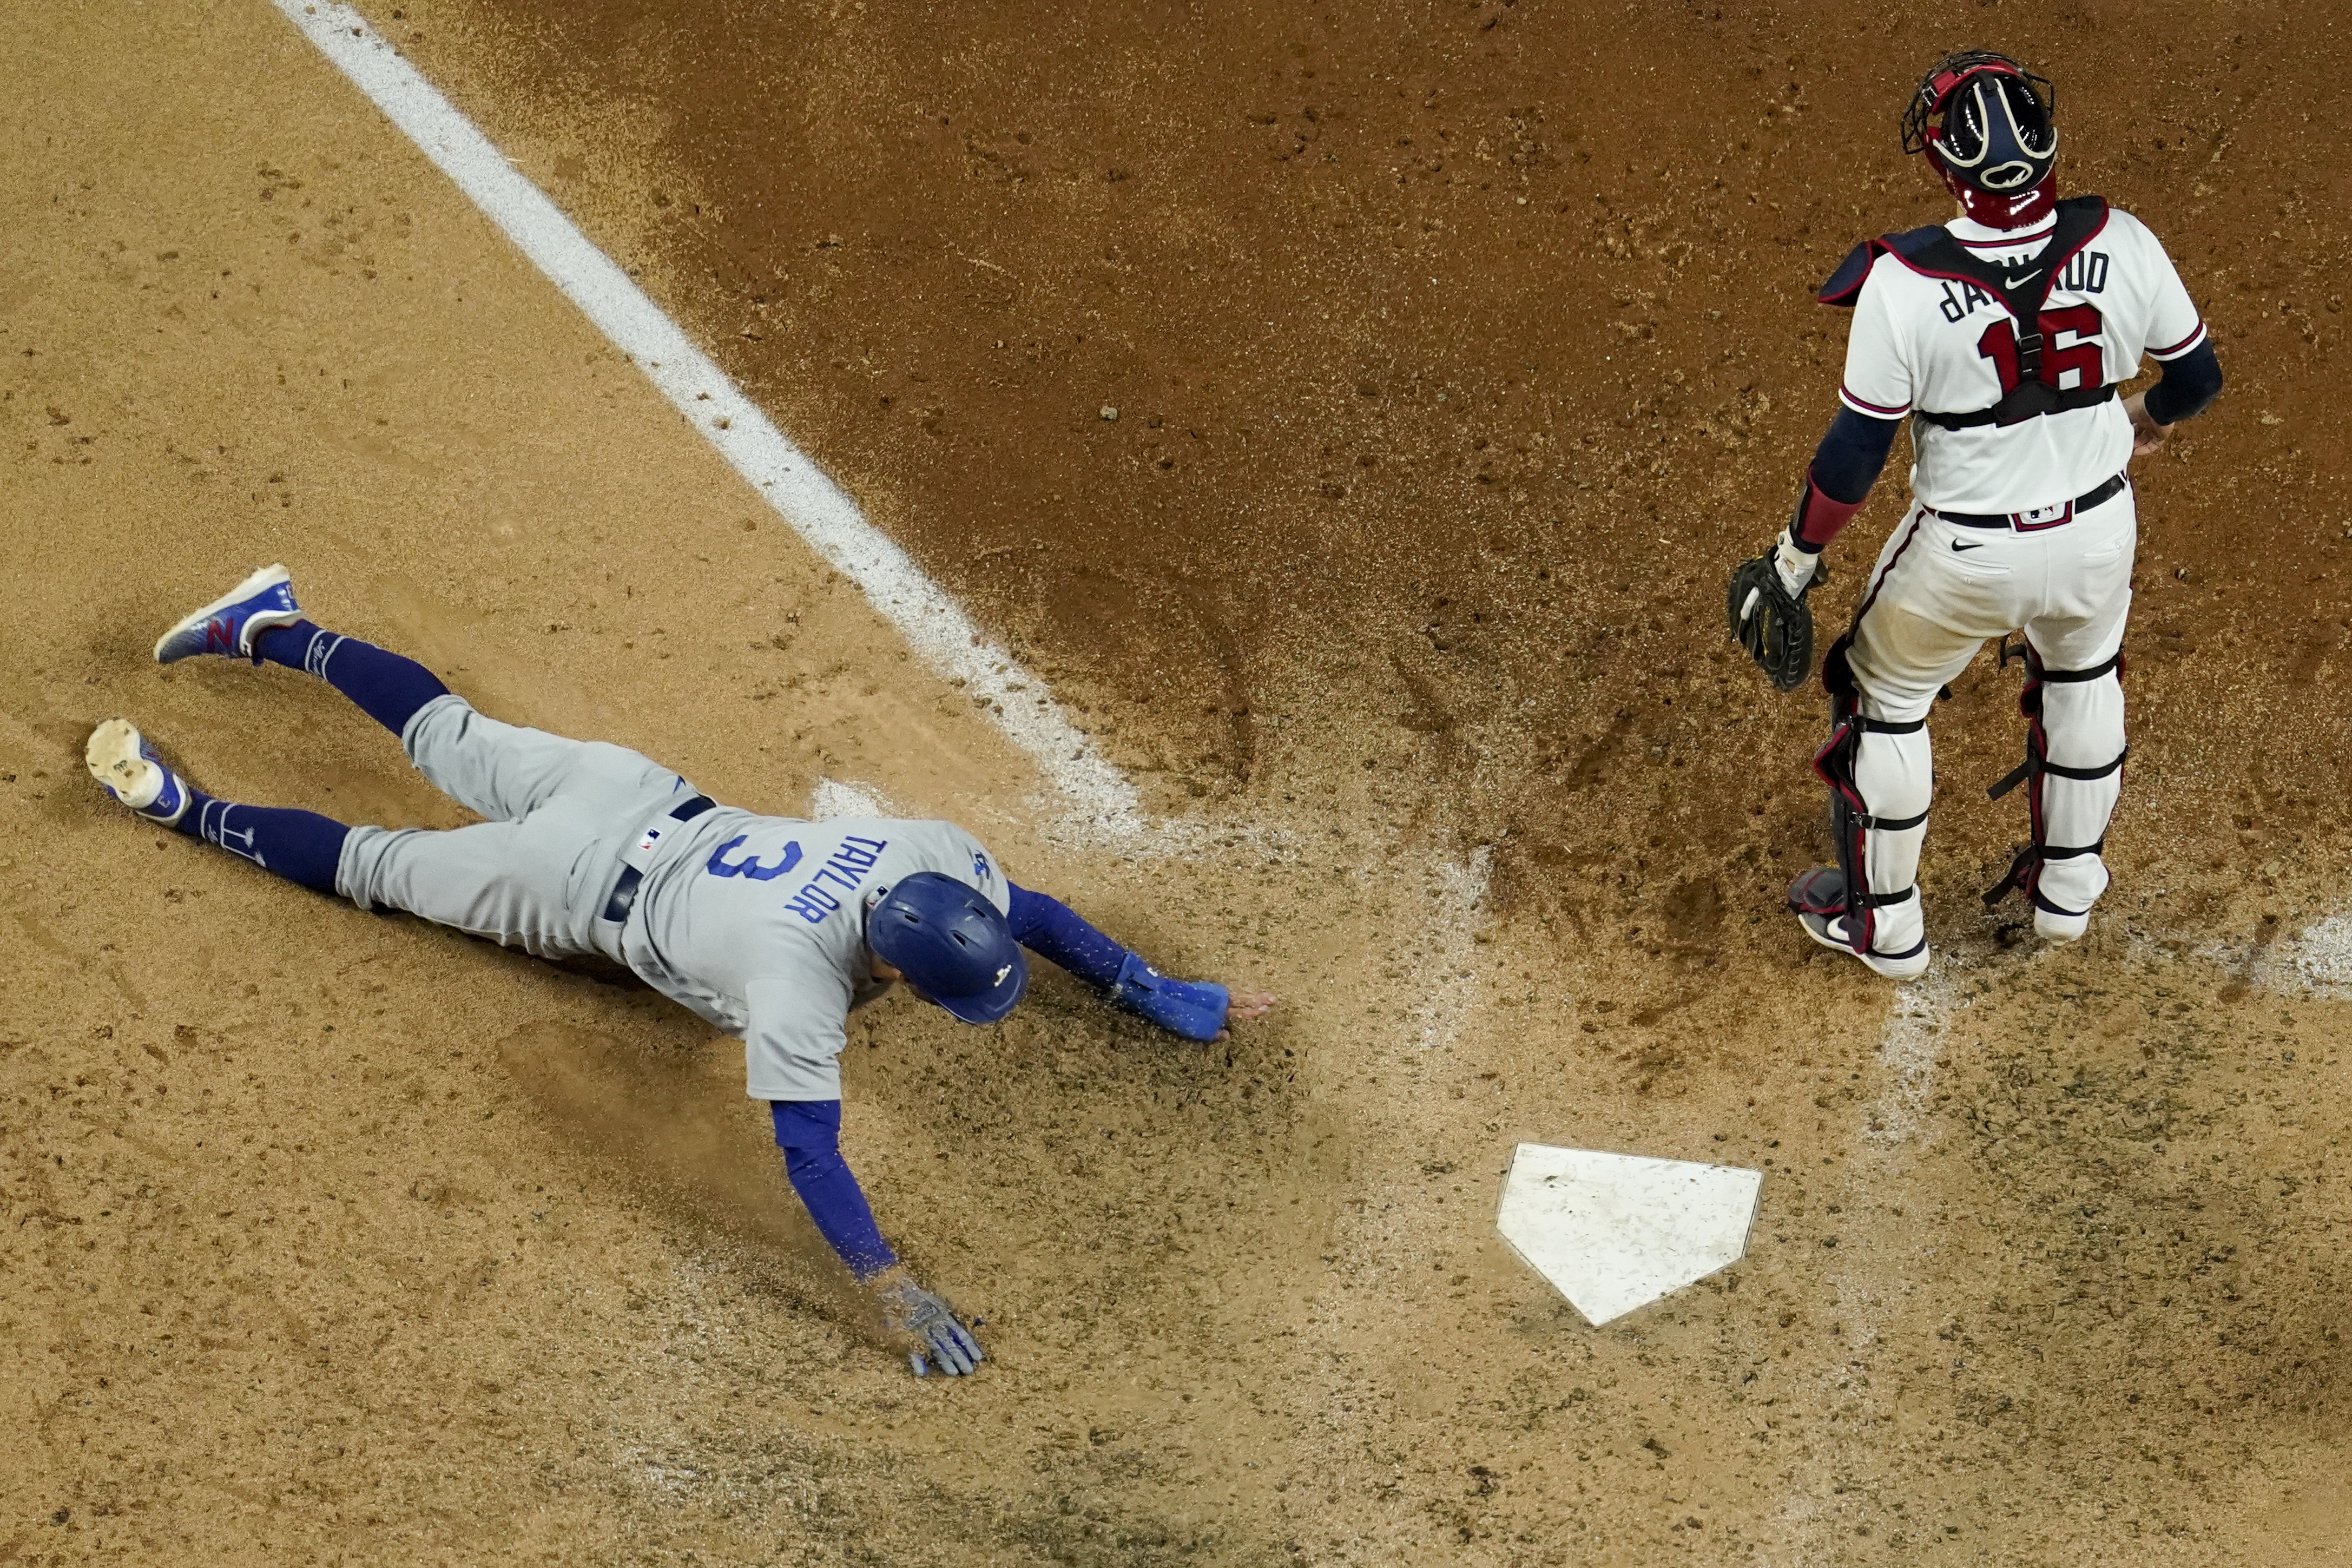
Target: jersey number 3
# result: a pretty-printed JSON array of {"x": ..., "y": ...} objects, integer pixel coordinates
[
  {"x": 719, "y": 866},
  {"x": 2083, "y": 355}
]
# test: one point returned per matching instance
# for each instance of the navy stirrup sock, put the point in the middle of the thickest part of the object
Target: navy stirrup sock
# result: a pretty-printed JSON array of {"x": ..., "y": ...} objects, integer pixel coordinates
[
  {"x": 302, "y": 845},
  {"x": 299, "y": 845},
  {"x": 387, "y": 686}
]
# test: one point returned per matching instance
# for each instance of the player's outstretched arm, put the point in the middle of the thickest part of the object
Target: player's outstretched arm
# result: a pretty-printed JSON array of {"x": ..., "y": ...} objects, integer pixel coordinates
[
  {"x": 809, "y": 1132},
  {"x": 1196, "y": 1009}
]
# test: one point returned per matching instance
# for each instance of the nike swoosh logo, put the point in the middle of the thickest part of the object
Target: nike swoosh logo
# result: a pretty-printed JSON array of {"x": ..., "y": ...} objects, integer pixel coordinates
[
  {"x": 1958, "y": 545},
  {"x": 2008, "y": 282}
]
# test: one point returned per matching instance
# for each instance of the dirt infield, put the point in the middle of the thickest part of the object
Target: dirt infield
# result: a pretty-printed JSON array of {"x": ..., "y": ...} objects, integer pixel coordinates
[{"x": 1455, "y": 351}]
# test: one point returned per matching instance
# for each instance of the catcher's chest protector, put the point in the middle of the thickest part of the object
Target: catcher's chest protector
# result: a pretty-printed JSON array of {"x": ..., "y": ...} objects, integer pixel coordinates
[{"x": 1934, "y": 253}]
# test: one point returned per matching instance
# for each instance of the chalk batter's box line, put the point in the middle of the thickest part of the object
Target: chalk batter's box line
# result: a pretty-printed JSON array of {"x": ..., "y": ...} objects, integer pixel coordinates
[{"x": 795, "y": 487}]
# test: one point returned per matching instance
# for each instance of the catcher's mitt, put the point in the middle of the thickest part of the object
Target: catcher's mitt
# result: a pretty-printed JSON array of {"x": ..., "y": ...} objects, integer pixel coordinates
[{"x": 1773, "y": 624}]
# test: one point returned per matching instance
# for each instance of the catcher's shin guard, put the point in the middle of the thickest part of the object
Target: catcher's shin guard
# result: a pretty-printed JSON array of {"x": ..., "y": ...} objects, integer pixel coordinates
[
  {"x": 2073, "y": 764},
  {"x": 1881, "y": 779}
]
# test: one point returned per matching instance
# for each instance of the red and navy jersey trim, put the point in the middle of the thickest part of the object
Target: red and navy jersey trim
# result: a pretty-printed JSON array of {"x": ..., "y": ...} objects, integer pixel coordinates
[
  {"x": 1875, "y": 410},
  {"x": 2183, "y": 346}
]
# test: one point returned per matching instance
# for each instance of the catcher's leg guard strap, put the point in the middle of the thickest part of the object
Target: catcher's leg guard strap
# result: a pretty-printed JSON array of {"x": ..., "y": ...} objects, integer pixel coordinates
[
  {"x": 2030, "y": 702},
  {"x": 2075, "y": 758},
  {"x": 2082, "y": 775},
  {"x": 1881, "y": 779}
]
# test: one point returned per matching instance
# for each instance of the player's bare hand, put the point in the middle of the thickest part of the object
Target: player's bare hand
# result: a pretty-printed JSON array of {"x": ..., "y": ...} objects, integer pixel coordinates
[
  {"x": 2147, "y": 434},
  {"x": 926, "y": 1326},
  {"x": 1245, "y": 1007}
]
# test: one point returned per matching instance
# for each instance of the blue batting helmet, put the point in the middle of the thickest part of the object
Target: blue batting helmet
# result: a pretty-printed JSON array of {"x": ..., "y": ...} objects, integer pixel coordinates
[{"x": 952, "y": 944}]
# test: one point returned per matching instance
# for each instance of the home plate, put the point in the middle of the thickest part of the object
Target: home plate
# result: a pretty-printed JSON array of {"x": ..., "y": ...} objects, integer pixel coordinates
[{"x": 1613, "y": 1231}]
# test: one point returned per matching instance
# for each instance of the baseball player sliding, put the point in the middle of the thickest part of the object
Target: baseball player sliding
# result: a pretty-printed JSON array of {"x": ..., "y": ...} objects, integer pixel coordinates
[
  {"x": 2001, "y": 336},
  {"x": 770, "y": 928}
]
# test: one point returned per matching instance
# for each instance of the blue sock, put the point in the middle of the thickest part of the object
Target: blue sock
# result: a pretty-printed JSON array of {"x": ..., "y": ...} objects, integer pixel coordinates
[
  {"x": 1051, "y": 930},
  {"x": 299, "y": 845},
  {"x": 387, "y": 687},
  {"x": 809, "y": 1132}
]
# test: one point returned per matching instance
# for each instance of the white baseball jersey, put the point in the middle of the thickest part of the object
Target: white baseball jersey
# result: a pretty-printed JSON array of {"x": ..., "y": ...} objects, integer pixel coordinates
[
  {"x": 1920, "y": 342},
  {"x": 758, "y": 923}
]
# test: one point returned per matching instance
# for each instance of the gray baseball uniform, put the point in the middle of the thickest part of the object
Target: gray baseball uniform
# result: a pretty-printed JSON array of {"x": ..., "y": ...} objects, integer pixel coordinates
[{"x": 757, "y": 923}]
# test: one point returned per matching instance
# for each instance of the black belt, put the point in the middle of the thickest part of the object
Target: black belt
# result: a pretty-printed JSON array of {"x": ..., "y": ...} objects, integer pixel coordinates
[
  {"x": 633, "y": 868},
  {"x": 2040, "y": 516}
]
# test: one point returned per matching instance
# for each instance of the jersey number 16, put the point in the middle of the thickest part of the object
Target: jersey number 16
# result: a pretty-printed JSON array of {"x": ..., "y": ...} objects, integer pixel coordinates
[{"x": 2083, "y": 355}]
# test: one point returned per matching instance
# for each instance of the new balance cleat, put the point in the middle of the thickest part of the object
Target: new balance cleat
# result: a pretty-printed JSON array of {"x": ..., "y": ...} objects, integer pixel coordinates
[
  {"x": 127, "y": 768},
  {"x": 233, "y": 624},
  {"x": 1830, "y": 932}
]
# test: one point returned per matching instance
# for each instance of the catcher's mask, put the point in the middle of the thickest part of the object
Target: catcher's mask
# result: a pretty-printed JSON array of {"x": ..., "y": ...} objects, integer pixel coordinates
[{"x": 1995, "y": 144}]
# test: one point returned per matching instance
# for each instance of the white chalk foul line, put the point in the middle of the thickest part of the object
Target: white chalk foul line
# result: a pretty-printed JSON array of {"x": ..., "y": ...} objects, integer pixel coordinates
[
  {"x": 815, "y": 508},
  {"x": 1451, "y": 993},
  {"x": 1877, "y": 1165}
]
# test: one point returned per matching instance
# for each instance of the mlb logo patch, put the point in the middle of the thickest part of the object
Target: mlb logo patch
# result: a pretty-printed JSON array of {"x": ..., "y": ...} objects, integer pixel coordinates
[
  {"x": 652, "y": 837},
  {"x": 2043, "y": 516}
]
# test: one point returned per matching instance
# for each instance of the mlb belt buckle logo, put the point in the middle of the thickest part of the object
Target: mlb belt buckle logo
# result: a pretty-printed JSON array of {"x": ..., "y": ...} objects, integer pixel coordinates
[
  {"x": 2043, "y": 517},
  {"x": 644, "y": 844}
]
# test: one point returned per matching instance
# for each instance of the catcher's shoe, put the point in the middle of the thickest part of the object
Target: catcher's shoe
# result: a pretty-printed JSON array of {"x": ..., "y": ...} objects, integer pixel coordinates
[
  {"x": 233, "y": 624},
  {"x": 127, "y": 768},
  {"x": 1818, "y": 900},
  {"x": 1830, "y": 932},
  {"x": 2051, "y": 925}
]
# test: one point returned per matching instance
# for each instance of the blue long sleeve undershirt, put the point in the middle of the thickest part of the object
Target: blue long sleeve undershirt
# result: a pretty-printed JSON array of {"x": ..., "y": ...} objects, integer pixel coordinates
[
  {"x": 1852, "y": 455},
  {"x": 1051, "y": 930},
  {"x": 809, "y": 1132},
  {"x": 2189, "y": 384}
]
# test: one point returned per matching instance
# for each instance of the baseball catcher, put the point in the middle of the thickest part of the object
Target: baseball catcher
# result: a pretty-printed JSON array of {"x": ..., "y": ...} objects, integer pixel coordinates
[
  {"x": 2001, "y": 336},
  {"x": 770, "y": 928}
]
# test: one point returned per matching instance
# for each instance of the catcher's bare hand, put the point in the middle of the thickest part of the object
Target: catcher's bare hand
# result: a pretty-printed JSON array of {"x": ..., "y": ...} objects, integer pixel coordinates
[{"x": 2147, "y": 434}]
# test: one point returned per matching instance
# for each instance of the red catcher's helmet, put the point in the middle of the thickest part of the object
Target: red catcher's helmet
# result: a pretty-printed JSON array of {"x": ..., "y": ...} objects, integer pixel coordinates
[{"x": 1996, "y": 144}]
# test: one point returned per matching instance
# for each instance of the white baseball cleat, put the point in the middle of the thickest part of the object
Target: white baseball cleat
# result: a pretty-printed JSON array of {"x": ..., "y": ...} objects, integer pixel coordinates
[
  {"x": 1830, "y": 932},
  {"x": 127, "y": 768}
]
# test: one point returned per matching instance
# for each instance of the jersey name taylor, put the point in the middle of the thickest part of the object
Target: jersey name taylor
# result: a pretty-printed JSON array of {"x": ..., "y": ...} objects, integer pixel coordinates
[{"x": 758, "y": 923}]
